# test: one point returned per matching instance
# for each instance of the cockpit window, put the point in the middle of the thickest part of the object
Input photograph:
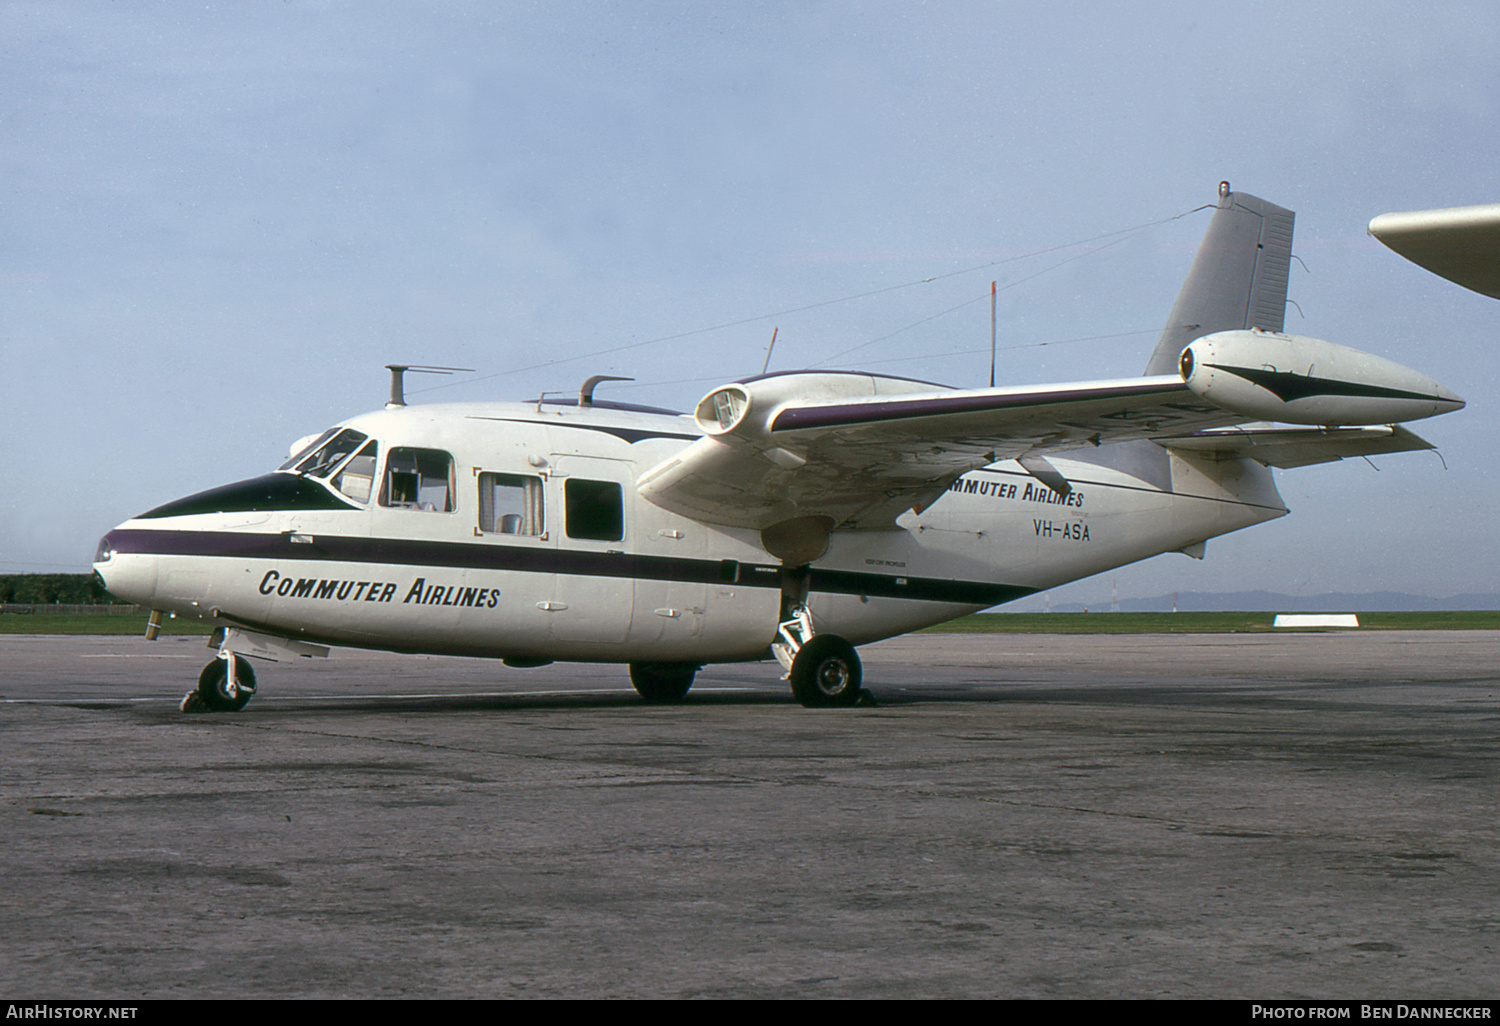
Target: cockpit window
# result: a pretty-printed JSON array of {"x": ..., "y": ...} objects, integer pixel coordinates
[
  {"x": 418, "y": 479},
  {"x": 323, "y": 459},
  {"x": 358, "y": 475},
  {"x": 309, "y": 447}
]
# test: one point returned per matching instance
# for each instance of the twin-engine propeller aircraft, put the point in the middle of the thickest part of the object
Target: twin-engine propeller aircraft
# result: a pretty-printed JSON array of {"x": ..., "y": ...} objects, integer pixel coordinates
[{"x": 795, "y": 515}]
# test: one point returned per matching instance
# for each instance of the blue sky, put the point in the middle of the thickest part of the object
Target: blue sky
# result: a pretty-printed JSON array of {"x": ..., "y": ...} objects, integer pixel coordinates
[{"x": 221, "y": 220}]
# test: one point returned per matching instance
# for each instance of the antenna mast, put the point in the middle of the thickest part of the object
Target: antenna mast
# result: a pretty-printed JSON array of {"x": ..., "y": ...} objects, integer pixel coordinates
[
  {"x": 992, "y": 334},
  {"x": 398, "y": 391},
  {"x": 586, "y": 393},
  {"x": 766, "y": 366}
]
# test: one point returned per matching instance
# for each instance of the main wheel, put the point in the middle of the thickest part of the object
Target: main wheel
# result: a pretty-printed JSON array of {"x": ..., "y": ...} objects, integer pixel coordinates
[
  {"x": 825, "y": 672},
  {"x": 663, "y": 682},
  {"x": 213, "y": 685}
]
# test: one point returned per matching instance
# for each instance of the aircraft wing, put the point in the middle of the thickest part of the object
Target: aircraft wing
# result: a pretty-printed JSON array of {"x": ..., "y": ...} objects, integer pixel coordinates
[
  {"x": 1461, "y": 244},
  {"x": 858, "y": 450}
]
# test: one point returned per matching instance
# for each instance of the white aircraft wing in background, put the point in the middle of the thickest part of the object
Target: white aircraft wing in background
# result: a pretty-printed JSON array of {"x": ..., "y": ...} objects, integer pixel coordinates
[{"x": 1461, "y": 244}]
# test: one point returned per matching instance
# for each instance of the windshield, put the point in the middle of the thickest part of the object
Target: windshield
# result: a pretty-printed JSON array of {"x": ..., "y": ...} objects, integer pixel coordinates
[
  {"x": 298, "y": 453},
  {"x": 325, "y": 454}
]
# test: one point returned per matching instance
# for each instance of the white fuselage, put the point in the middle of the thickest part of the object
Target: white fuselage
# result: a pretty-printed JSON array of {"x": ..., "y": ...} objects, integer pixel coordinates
[{"x": 531, "y": 543}]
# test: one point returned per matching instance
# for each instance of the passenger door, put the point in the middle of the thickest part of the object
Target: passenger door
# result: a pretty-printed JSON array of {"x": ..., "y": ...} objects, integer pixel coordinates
[{"x": 593, "y": 592}]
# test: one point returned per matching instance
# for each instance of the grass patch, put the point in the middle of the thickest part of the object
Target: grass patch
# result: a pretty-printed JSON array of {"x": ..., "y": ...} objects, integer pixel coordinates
[
  {"x": 978, "y": 623},
  {"x": 92, "y": 623},
  {"x": 1198, "y": 623}
]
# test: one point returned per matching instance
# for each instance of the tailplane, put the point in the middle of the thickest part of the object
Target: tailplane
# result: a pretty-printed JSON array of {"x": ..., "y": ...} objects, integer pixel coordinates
[{"x": 1238, "y": 279}]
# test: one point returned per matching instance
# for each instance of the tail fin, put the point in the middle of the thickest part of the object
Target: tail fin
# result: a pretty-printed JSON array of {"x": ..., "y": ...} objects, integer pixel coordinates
[{"x": 1238, "y": 278}]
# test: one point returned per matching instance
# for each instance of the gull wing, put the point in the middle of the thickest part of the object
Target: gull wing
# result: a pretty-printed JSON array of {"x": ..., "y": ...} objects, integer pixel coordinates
[
  {"x": 844, "y": 451},
  {"x": 858, "y": 450}
]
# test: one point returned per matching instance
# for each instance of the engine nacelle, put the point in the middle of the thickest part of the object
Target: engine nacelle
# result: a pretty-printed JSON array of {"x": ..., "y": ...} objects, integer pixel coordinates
[
  {"x": 747, "y": 409},
  {"x": 1301, "y": 380}
]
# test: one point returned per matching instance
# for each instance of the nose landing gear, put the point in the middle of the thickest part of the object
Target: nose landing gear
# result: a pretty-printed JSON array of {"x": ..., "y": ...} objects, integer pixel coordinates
[{"x": 225, "y": 685}]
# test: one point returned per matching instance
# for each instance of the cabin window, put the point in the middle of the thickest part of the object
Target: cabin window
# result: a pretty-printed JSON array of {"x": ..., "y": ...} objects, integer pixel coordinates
[
  {"x": 510, "y": 504},
  {"x": 358, "y": 476},
  {"x": 327, "y": 455},
  {"x": 595, "y": 509},
  {"x": 418, "y": 479}
]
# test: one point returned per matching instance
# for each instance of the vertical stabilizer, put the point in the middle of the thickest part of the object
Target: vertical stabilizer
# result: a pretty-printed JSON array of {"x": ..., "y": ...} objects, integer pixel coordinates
[{"x": 1238, "y": 279}]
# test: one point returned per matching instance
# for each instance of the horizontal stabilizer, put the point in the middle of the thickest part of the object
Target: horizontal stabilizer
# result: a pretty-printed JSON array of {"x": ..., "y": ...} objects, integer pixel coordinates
[{"x": 1287, "y": 447}]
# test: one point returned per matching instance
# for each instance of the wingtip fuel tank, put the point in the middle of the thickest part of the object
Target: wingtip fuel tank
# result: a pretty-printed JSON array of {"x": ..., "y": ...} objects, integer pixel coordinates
[{"x": 1300, "y": 380}]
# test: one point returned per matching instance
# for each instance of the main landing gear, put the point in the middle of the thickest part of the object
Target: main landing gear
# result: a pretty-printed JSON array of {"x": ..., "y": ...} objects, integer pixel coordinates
[
  {"x": 663, "y": 682},
  {"x": 824, "y": 670}
]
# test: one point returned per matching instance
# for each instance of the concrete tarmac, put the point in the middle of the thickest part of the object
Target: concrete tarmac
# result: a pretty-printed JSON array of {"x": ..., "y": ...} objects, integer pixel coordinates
[{"x": 1247, "y": 816}]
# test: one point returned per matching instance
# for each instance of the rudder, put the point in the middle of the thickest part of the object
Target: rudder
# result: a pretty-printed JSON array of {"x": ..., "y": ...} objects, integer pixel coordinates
[{"x": 1238, "y": 279}]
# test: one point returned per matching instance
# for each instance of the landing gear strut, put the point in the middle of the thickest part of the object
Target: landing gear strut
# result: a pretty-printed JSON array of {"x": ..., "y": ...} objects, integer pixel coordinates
[{"x": 823, "y": 668}]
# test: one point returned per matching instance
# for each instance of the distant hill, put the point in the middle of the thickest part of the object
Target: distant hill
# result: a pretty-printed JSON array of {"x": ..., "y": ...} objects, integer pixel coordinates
[{"x": 1276, "y": 602}]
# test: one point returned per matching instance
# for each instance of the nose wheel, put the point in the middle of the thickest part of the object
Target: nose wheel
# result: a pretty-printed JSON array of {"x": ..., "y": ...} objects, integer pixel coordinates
[{"x": 222, "y": 687}]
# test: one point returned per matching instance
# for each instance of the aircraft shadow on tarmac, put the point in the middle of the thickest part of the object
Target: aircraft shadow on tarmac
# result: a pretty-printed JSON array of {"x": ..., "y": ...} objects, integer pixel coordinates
[
  {"x": 286, "y": 705},
  {"x": 1224, "y": 694}
]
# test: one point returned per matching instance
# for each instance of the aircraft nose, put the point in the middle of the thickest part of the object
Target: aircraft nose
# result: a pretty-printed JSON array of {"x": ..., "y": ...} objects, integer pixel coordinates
[{"x": 125, "y": 575}]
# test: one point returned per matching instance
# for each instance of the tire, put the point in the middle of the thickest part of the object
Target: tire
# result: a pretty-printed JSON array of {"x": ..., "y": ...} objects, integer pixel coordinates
[
  {"x": 826, "y": 672},
  {"x": 663, "y": 682},
  {"x": 213, "y": 678}
]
